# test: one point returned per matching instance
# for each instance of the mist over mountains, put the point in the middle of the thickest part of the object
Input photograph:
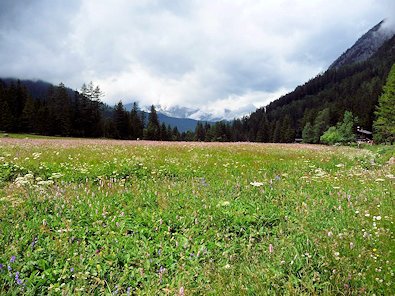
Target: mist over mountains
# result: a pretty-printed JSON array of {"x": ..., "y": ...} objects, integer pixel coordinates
[
  {"x": 353, "y": 82},
  {"x": 367, "y": 45}
]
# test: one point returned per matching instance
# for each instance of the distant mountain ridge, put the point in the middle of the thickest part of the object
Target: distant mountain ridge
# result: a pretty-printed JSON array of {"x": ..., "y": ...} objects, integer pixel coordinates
[
  {"x": 36, "y": 88},
  {"x": 365, "y": 46},
  {"x": 183, "y": 124}
]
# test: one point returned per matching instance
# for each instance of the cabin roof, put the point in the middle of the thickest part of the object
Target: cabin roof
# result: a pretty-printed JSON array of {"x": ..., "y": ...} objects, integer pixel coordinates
[{"x": 362, "y": 131}]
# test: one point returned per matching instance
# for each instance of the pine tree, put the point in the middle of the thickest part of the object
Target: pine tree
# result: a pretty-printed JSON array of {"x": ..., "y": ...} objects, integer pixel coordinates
[
  {"x": 28, "y": 116},
  {"x": 136, "y": 123},
  {"x": 277, "y": 132},
  {"x": 321, "y": 124},
  {"x": 6, "y": 117},
  {"x": 287, "y": 131},
  {"x": 200, "y": 133},
  {"x": 263, "y": 131},
  {"x": 62, "y": 110},
  {"x": 121, "y": 121},
  {"x": 308, "y": 133},
  {"x": 90, "y": 110},
  {"x": 384, "y": 125},
  {"x": 346, "y": 128},
  {"x": 153, "y": 128},
  {"x": 175, "y": 134},
  {"x": 163, "y": 132}
]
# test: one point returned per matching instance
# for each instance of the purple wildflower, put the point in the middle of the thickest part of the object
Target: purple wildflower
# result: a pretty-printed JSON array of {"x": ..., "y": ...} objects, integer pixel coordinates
[
  {"x": 9, "y": 268},
  {"x": 128, "y": 291},
  {"x": 72, "y": 269},
  {"x": 17, "y": 279},
  {"x": 34, "y": 242},
  {"x": 12, "y": 260},
  {"x": 161, "y": 272},
  {"x": 1, "y": 266}
]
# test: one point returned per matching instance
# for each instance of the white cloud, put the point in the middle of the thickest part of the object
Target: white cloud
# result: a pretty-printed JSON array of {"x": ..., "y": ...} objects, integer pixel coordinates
[{"x": 214, "y": 55}]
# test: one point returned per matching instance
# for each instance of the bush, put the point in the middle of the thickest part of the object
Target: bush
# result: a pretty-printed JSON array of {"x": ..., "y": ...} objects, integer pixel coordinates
[
  {"x": 331, "y": 136},
  {"x": 342, "y": 133}
]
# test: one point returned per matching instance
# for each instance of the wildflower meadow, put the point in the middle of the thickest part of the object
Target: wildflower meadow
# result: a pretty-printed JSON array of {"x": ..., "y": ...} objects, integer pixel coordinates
[{"x": 103, "y": 217}]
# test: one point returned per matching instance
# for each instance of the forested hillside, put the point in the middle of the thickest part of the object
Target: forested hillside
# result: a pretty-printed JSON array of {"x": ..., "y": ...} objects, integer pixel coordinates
[{"x": 355, "y": 88}]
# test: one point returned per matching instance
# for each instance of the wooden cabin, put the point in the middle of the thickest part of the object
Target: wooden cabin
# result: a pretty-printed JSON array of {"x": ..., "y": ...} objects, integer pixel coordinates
[{"x": 364, "y": 135}]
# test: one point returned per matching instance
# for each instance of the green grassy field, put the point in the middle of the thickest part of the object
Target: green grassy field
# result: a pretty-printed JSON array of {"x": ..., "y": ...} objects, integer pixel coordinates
[{"x": 118, "y": 217}]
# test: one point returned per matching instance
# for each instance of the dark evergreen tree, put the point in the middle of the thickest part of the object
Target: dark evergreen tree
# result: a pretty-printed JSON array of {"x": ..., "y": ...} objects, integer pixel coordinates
[
  {"x": 321, "y": 124},
  {"x": 277, "y": 132},
  {"x": 384, "y": 125},
  {"x": 263, "y": 134},
  {"x": 60, "y": 109},
  {"x": 121, "y": 122},
  {"x": 153, "y": 128},
  {"x": 163, "y": 132},
  {"x": 287, "y": 131},
  {"x": 308, "y": 134},
  {"x": 175, "y": 134},
  {"x": 29, "y": 116},
  {"x": 200, "y": 132},
  {"x": 136, "y": 123}
]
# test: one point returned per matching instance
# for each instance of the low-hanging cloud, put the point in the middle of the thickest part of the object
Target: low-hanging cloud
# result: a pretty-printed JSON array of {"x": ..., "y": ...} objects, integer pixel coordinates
[{"x": 224, "y": 58}]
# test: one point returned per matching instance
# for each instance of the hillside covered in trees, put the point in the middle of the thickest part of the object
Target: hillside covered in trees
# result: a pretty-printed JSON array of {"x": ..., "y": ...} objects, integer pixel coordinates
[{"x": 322, "y": 101}]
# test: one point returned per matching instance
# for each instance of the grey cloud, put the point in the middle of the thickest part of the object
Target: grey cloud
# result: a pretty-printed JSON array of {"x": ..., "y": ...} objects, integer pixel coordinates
[{"x": 199, "y": 54}]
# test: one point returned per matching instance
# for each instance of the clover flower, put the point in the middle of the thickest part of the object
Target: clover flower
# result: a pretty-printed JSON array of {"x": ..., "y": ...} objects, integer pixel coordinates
[{"x": 181, "y": 292}]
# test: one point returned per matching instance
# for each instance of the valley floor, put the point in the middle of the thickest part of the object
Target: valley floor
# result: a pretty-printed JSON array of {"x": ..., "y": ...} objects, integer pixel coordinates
[{"x": 84, "y": 216}]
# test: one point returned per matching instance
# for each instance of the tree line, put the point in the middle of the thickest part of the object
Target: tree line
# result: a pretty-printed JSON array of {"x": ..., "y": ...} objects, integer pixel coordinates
[{"x": 81, "y": 114}]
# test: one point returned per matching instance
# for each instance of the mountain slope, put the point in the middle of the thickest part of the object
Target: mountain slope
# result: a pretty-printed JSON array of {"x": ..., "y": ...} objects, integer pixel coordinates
[
  {"x": 36, "y": 88},
  {"x": 354, "y": 87},
  {"x": 182, "y": 124},
  {"x": 365, "y": 46}
]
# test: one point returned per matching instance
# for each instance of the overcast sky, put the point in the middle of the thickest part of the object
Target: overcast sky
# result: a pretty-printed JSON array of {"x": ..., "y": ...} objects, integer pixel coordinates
[{"x": 203, "y": 54}]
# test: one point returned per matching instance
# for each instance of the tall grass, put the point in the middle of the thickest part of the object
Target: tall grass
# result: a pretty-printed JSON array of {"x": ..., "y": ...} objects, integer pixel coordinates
[{"x": 107, "y": 217}]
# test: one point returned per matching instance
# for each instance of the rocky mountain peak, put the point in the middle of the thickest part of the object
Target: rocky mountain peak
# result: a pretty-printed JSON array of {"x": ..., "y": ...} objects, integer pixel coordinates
[{"x": 365, "y": 46}]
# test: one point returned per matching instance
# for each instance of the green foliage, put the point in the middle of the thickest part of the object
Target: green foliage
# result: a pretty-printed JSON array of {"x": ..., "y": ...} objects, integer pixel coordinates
[
  {"x": 331, "y": 136},
  {"x": 308, "y": 133},
  {"x": 153, "y": 129},
  {"x": 321, "y": 124},
  {"x": 343, "y": 133},
  {"x": 312, "y": 133},
  {"x": 384, "y": 125},
  {"x": 83, "y": 217}
]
